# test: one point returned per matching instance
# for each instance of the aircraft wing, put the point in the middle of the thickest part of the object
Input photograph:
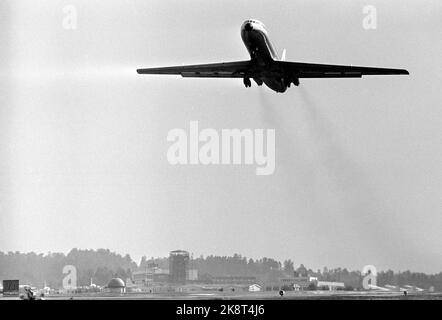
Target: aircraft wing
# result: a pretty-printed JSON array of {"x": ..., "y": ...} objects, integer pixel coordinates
[
  {"x": 236, "y": 69},
  {"x": 312, "y": 70}
]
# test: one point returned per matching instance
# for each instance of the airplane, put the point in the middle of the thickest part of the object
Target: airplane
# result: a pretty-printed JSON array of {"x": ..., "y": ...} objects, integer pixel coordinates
[{"x": 266, "y": 67}]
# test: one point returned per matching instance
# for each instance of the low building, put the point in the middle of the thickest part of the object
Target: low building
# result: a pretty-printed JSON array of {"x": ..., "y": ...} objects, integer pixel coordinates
[
  {"x": 164, "y": 288},
  {"x": 188, "y": 288},
  {"x": 150, "y": 276},
  {"x": 330, "y": 285},
  {"x": 289, "y": 283},
  {"x": 410, "y": 288},
  {"x": 192, "y": 275},
  {"x": 244, "y": 280},
  {"x": 296, "y": 283},
  {"x": 116, "y": 285},
  {"x": 255, "y": 288}
]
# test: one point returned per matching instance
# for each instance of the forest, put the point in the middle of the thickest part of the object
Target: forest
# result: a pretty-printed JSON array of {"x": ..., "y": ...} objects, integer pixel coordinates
[{"x": 99, "y": 266}]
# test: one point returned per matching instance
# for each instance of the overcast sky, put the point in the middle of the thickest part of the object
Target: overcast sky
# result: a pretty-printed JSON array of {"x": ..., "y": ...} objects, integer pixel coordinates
[{"x": 358, "y": 176}]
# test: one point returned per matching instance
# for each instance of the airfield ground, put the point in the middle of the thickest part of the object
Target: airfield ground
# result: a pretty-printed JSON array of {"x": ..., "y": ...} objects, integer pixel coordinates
[{"x": 291, "y": 295}]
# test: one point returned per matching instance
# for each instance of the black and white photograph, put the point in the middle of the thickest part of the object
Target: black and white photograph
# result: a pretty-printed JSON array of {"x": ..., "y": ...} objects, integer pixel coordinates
[{"x": 237, "y": 152}]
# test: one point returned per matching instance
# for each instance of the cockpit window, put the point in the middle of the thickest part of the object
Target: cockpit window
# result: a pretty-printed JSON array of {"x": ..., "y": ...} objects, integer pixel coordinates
[{"x": 255, "y": 21}]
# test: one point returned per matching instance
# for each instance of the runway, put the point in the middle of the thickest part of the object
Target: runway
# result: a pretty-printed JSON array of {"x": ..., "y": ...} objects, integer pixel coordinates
[{"x": 318, "y": 295}]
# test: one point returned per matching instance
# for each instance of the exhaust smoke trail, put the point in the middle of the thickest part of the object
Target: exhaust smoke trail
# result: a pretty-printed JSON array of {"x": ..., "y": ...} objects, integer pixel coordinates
[
  {"x": 362, "y": 208},
  {"x": 296, "y": 177},
  {"x": 327, "y": 191}
]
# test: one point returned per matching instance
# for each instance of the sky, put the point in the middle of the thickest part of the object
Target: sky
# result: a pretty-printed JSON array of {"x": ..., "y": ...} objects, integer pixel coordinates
[{"x": 83, "y": 146}]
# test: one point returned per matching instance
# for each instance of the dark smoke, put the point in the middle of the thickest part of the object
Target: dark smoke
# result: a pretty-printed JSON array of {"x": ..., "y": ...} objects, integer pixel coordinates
[{"x": 362, "y": 207}]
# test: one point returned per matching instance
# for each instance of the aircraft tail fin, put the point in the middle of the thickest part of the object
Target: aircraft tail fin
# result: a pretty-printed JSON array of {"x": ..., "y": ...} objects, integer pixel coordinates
[{"x": 283, "y": 55}]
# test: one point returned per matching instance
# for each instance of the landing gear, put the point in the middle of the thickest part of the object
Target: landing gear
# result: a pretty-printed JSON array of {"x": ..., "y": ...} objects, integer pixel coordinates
[
  {"x": 289, "y": 81},
  {"x": 247, "y": 82}
]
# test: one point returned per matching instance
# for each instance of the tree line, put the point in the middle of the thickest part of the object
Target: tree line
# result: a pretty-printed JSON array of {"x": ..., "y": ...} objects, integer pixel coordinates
[{"x": 99, "y": 266}]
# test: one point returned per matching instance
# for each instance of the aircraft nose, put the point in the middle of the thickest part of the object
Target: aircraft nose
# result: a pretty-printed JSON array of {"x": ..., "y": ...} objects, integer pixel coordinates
[{"x": 248, "y": 26}]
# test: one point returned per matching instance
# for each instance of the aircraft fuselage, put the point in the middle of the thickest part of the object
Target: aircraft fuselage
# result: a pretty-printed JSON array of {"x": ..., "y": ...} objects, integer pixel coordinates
[{"x": 263, "y": 54}]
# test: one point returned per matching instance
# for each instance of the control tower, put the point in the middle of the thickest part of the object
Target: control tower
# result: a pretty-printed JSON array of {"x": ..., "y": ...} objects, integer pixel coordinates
[{"x": 178, "y": 265}]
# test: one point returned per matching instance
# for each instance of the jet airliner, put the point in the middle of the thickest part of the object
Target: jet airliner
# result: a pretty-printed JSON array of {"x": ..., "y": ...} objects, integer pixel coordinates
[{"x": 266, "y": 67}]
